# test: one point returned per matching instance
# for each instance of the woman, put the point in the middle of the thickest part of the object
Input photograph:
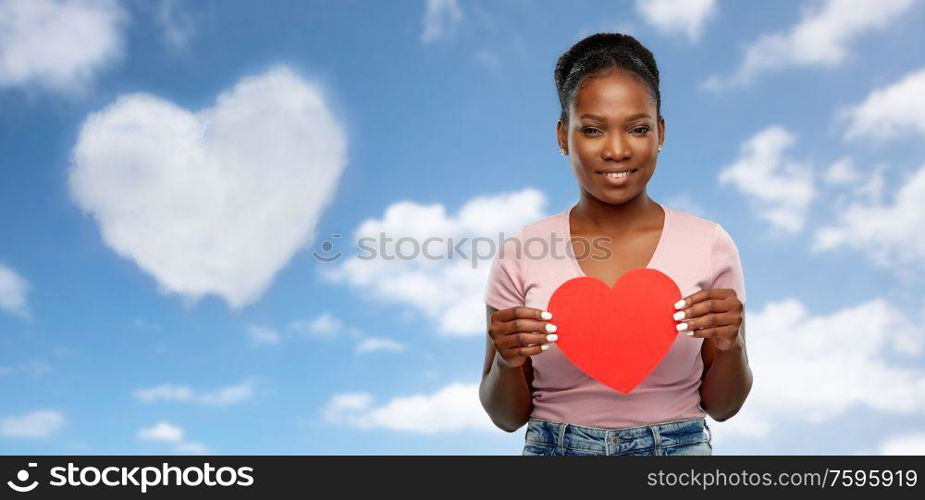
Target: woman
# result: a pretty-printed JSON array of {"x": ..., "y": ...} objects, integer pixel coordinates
[{"x": 612, "y": 130}]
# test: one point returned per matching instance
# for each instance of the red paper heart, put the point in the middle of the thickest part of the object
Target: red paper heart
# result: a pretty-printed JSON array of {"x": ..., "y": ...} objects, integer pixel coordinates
[{"x": 616, "y": 335}]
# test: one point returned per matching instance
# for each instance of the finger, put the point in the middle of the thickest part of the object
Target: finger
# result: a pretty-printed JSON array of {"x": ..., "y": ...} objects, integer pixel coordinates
[
  {"x": 520, "y": 312},
  {"x": 709, "y": 321},
  {"x": 523, "y": 339},
  {"x": 704, "y": 307},
  {"x": 523, "y": 351},
  {"x": 718, "y": 332},
  {"x": 527, "y": 326},
  {"x": 701, "y": 295}
]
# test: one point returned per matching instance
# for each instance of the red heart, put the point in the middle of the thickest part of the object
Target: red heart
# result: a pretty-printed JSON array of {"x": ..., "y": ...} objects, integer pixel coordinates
[{"x": 616, "y": 335}]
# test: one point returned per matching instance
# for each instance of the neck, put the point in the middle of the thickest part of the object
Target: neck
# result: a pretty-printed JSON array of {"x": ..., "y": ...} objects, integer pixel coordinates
[{"x": 609, "y": 218}]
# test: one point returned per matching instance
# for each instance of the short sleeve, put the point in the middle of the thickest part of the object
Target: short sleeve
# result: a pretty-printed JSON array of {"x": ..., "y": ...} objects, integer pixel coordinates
[
  {"x": 505, "y": 287},
  {"x": 725, "y": 263}
]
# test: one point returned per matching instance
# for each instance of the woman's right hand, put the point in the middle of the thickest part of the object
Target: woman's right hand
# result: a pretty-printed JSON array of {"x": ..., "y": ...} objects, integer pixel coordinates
[{"x": 520, "y": 332}]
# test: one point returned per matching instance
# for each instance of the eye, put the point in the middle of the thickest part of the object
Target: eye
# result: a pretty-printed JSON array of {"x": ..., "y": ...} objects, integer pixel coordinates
[
  {"x": 587, "y": 130},
  {"x": 642, "y": 129}
]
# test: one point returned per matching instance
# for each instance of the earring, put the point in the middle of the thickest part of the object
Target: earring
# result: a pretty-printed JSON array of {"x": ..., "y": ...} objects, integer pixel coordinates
[
  {"x": 659, "y": 148},
  {"x": 562, "y": 151}
]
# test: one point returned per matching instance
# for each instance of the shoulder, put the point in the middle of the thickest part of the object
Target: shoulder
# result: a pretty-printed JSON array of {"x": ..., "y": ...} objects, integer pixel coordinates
[
  {"x": 690, "y": 226},
  {"x": 699, "y": 231},
  {"x": 689, "y": 221}
]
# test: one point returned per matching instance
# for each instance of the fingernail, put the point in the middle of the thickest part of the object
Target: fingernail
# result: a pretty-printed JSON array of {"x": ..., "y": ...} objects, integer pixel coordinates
[
  {"x": 678, "y": 315},
  {"x": 544, "y": 347},
  {"x": 546, "y": 315},
  {"x": 682, "y": 327},
  {"x": 690, "y": 333},
  {"x": 679, "y": 304},
  {"x": 550, "y": 327},
  {"x": 552, "y": 337}
]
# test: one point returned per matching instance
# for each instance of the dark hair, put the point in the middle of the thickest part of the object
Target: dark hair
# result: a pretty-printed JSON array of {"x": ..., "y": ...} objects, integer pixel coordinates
[{"x": 602, "y": 51}]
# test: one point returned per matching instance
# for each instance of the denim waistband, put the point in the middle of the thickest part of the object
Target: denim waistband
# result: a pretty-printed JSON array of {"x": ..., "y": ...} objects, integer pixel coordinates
[{"x": 605, "y": 440}]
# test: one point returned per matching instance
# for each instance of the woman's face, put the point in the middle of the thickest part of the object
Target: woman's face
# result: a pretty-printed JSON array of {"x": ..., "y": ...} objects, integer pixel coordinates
[{"x": 612, "y": 128}]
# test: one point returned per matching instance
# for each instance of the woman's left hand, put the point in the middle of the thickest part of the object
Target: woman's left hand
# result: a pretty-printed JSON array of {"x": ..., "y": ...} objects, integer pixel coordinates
[{"x": 712, "y": 314}]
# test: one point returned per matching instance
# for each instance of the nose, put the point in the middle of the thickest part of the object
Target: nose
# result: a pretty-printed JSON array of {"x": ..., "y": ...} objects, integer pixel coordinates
[{"x": 617, "y": 148}]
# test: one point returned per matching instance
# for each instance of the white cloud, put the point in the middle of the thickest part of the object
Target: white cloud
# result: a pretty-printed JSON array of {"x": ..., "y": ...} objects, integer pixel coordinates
[
  {"x": 324, "y": 326},
  {"x": 37, "y": 424},
  {"x": 439, "y": 18},
  {"x": 455, "y": 407},
  {"x": 341, "y": 404},
  {"x": 229, "y": 395},
  {"x": 845, "y": 182},
  {"x": 781, "y": 189},
  {"x": 890, "y": 234},
  {"x": 170, "y": 433},
  {"x": 260, "y": 335},
  {"x": 13, "y": 291},
  {"x": 58, "y": 45},
  {"x": 842, "y": 171},
  {"x": 448, "y": 287},
  {"x": 222, "y": 396},
  {"x": 873, "y": 186},
  {"x": 844, "y": 179},
  {"x": 677, "y": 16},
  {"x": 162, "y": 431},
  {"x": 217, "y": 201},
  {"x": 815, "y": 368},
  {"x": 488, "y": 58},
  {"x": 35, "y": 368},
  {"x": 892, "y": 112},
  {"x": 164, "y": 392},
  {"x": 909, "y": 444},
  {"x": 374, "y": 344},
  {"x": 176, "y": 24},
  {"x": 820, "y": 39}
]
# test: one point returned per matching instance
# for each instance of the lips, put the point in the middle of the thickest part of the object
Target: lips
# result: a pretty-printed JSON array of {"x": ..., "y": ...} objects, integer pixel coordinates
[
  {"x": 617, "y": 177},
  {"x": 616, "y": 170}
]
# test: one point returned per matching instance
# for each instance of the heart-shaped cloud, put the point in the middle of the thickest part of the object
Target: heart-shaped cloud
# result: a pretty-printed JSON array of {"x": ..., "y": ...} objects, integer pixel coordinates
[{"x": 217, "y": 201}]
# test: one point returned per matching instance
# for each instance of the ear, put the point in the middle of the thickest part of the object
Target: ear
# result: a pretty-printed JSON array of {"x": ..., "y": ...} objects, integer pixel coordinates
[
  {"x": 661, "y": 130},
  {"x": 562, "y": 135}
]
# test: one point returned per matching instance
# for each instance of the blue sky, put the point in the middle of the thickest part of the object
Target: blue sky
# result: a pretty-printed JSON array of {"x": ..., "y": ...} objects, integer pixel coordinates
[{"x": 158, "y": 292}]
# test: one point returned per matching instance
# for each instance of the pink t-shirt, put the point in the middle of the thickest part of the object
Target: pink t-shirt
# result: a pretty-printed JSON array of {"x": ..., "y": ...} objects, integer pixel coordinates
[{"x": 694, "y": 252}]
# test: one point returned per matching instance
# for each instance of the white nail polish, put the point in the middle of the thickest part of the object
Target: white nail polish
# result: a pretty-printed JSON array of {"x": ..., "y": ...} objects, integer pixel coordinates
[
  {"x": 690, "y": 333},
  {"x": 679, "y": 304},
  {"x": 550, "y": 327},
  {"x": 546, "y": 315},
  {"x": 552, "y": 337},
  {"x": 544, "y": 347},
  {"x": 682, "y": 327},
  {"x": 678, "y": 315}
]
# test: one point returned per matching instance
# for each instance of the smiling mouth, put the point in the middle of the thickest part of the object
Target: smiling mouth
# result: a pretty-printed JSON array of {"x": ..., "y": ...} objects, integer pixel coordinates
[{"x": 618, "y": 175}]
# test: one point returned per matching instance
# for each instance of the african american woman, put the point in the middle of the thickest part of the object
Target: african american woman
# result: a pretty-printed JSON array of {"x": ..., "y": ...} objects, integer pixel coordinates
[{"x": 612, "y": 130}]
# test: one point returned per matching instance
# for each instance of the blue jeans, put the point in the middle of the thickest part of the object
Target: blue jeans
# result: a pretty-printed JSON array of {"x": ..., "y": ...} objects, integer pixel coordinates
[{"x": 683, "y": 437}]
